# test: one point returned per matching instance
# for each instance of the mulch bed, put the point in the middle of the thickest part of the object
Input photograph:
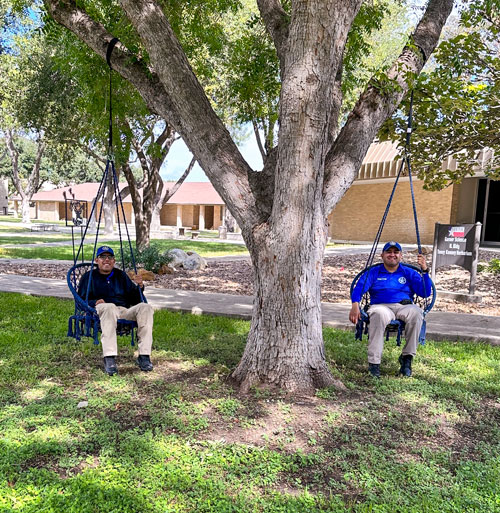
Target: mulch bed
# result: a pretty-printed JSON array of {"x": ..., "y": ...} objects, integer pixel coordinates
[{"x": 235, "y": 277}]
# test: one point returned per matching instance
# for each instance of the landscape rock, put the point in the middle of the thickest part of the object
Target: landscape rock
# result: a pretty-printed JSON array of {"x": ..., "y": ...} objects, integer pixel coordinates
[
  {"x": 194, "y": 261},
  {"x": 145, "y": 275},
  {"x": 177, "y": 257},
  {"x": 166, "y": 269}
]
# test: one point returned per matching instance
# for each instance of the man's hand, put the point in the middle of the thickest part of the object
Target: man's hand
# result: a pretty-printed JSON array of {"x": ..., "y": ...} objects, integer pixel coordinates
[
  {"x": 137, "y": 279},
  {"x": 354, "y": 314},
  {"x": 422, "y": 262},
  {"x": 99, "y": 301}
]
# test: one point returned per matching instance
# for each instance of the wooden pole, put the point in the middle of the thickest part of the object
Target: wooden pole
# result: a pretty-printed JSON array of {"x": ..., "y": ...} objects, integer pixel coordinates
[
  {"x": 434, "y": 252},
  {"x": 475, "y": 258}
]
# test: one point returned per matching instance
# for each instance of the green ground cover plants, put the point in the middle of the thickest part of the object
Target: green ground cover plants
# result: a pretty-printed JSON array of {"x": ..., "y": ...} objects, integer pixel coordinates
[{"x": 181, "y": 439}]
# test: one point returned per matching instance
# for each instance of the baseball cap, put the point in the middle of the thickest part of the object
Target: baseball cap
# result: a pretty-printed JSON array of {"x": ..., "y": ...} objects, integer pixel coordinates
[
  {"x": 392, "y": 244},
  {"x": 105, "y": 249}
]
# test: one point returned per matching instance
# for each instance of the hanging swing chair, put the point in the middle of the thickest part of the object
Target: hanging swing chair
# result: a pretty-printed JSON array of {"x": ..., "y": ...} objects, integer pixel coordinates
[
  {"x": 425, "y": 303},
  {"x": 85, "y": 321}
]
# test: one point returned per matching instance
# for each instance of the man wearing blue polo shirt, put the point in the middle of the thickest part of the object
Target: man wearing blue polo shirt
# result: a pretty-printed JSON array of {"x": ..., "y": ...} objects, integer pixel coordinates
[{"x": 391, "y": 287}]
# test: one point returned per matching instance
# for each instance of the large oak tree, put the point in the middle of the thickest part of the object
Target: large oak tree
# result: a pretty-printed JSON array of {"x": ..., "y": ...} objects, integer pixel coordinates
[{"x": 283, "y": 208}]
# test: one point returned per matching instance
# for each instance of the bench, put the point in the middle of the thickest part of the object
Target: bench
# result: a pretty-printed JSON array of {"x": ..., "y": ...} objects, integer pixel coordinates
[{"x": 43, "y": 227}]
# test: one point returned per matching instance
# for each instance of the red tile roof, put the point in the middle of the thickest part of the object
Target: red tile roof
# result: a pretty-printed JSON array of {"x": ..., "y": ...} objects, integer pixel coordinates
[{"x": 189, "y": 193}]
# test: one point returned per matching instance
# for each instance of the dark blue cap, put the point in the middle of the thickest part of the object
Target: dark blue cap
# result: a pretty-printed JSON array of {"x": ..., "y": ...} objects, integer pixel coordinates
[
  {"x": 105, "y": 249},
  {"x": 392, "y": 244}
]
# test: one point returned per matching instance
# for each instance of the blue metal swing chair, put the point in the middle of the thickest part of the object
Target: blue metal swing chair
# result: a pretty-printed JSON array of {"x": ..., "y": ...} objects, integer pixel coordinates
[
  {"x": 85, "y": 321},
  {"x": 426, "y": 303}
]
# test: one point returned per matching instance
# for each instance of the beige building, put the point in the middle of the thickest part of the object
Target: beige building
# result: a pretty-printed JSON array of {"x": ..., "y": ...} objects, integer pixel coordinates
[
  {"x": 195, "y": 205},
  {"x": 357, "y": 216}
]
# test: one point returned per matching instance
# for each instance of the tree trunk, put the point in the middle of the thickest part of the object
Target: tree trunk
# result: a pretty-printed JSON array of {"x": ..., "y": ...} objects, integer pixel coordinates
[
  {"x": 155, "y": 218},
  {"x": 285, "y": 344},
  {"x": 108, "y": 207},
  {"x": 229, "y": 221},
  {"x": 25, "y": 209},
  {"x": 142, "y": 222}
]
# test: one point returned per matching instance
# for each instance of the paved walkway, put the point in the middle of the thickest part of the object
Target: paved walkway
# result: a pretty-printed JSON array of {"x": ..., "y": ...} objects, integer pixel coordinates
[{"x": 440, "y": 325}]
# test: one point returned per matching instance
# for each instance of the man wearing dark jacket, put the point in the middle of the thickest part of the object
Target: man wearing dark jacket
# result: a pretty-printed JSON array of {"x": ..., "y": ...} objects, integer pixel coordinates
[{"x": 113, "y": 294}]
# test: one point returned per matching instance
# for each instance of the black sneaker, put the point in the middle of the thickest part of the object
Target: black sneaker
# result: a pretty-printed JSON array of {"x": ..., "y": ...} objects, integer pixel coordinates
[
  {"x": 110, "y": 367},
  {"x": 144, "y": 363},
  {"x": 405, "y": 361},
  {"x": 374, "y": 369}
]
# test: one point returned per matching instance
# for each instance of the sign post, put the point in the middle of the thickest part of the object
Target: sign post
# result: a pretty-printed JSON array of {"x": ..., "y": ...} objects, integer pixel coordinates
[{"x": 457, "y": 245}]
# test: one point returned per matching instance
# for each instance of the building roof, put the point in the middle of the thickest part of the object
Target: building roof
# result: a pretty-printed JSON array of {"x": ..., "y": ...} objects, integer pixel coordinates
[{"x": 189, "y": 193}]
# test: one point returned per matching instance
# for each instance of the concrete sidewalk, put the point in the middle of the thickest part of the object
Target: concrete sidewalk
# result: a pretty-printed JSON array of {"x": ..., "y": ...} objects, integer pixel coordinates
[{"x": 440, "y": 325}]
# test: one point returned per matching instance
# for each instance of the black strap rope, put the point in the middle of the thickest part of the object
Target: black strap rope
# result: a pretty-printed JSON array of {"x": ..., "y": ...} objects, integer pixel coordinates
[
  {"x": 109, "y": 179},
  {"x": 405, "y": 160},
  {"x": 109, "y": 51}
]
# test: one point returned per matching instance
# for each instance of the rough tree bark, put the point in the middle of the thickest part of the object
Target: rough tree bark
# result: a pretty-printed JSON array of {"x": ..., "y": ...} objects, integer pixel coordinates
[
  {"x": 33, "y": 182},
  {"x": 282, "y": 209}
]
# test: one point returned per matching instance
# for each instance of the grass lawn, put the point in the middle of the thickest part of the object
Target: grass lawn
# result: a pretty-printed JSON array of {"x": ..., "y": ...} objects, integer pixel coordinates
[
  {"x": 205, "y": 249},
  {"x": 10, "y": 219},
  {"x": 33, "y": 239},
  {"x": 180, "y": 439},
  {"x": 14, "y": 228}
]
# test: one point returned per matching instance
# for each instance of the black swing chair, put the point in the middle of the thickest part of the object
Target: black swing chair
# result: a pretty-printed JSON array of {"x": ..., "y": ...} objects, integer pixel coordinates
[
  {"x": 425, "y": 303},
  {"x": 85, "y": 321}
]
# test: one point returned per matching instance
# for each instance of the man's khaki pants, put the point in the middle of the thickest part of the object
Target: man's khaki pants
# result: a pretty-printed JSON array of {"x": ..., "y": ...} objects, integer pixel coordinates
[
  {"x": 109, "y": 314},
  {"x": 381, "y": 315}
]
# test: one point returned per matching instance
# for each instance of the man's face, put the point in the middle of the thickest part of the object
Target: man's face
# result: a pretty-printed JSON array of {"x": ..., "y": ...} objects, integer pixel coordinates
[
  {"x": 391, "y": 258},
  {"x": 105, "y": 263}
]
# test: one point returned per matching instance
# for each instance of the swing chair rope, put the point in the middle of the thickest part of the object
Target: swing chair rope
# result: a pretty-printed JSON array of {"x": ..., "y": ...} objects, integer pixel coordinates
[
  {"x": 110, "y": 176},
  {"x": 118, "y": 197},
  {"x": 405, "y": 160}
]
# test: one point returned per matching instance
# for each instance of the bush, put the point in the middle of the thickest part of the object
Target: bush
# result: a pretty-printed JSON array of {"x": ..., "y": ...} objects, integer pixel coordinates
[
  {"x": 150, "y": 258},
  {"x": 493, "y": 266}
]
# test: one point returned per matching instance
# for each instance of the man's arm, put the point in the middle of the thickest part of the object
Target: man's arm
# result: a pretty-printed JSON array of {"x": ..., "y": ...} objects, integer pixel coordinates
[
  {"x": 421, "y": 284},
  {"x": 363, "y": 285},
  {"x": 355, "y": 313},
  {"x": 133, "y": 288},
  {"x": 82, "y": 290}
]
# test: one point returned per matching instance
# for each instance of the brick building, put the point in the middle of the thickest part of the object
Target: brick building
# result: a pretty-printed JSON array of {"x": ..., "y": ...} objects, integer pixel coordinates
[{"x": 357, "y": 216}]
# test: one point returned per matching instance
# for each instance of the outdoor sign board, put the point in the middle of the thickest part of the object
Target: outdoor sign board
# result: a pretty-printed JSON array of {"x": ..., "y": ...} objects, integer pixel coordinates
[
  {"x": 457, "y": 245},
  {"x": 77, "y": 210}
]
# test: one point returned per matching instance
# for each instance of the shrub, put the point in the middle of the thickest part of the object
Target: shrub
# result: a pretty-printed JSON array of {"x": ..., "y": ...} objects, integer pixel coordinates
[
  {"x": 150, "y": 258},
  {"x": 493, "y": 266}
]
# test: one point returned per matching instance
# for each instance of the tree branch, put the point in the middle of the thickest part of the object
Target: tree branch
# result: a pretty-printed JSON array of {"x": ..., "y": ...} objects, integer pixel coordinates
[
  {"x": 34, "y": 178},
  {"x": 378, "y": 102},
  {"x": 170, "y": 192},
  {"x": 276, "y": 22},
  {"x": 259, "y": 142},
  {"x": 171, "y": 90}
]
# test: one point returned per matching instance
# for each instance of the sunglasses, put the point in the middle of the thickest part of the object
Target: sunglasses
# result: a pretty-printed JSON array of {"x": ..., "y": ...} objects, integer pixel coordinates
[{"x": 106, "y": 257}]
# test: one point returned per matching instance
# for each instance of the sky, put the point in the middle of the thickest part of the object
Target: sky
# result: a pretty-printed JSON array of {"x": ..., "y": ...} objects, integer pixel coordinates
[{"x": 179, "y": 157}]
